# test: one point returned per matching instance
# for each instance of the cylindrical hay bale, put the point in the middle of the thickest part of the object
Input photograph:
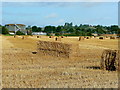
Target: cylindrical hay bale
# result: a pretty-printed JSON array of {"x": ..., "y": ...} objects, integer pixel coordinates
[
  {"x": 79, "y": 39},
  {"x": 94, "y": 36},
  {"x": 37, "y": 36},
  {"x": 112, "y": 37},
  {"x": 14, "y": 36},
  {"x": 87, "y": 37},
  {"x": 82, "y": 38},
  {"x": 109, "y": 60},
  {"x": 57, "y": 39},
  {"x": 117, "y": 37},
  {"x": 101, "y": 37},
  {"x": 62, "y": 37},
  {"x": 23, "y": 37}
]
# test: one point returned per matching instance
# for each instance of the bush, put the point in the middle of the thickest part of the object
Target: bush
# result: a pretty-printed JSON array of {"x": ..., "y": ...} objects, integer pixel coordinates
[{"x": 19, "y": 33}]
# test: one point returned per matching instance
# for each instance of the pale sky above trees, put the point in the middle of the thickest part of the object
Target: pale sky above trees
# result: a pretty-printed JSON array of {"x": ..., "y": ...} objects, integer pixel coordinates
[{"x": 57, "y": 13}]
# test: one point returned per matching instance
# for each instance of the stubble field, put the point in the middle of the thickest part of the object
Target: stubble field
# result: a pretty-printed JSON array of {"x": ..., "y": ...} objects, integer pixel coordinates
[{"x": 23, "y": 69}]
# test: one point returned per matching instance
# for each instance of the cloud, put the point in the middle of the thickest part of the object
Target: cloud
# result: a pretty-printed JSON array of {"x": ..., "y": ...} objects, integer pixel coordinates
[{"x": 52, "y": 15}]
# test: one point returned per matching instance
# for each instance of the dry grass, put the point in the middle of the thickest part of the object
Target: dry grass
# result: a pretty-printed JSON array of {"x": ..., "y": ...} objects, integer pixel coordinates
[{"x": 23, "y": 69}]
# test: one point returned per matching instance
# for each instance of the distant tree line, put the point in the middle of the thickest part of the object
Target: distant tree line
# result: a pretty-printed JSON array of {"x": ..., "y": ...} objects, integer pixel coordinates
[
  {"x": 82, "y": 30},
  {"x": 69, "y": 30}
]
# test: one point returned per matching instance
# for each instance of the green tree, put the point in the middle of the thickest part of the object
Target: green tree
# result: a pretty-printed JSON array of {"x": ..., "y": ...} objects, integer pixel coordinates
[
  {"x": 39, "y": 29},
  {"x": 114, "y": 29},
  {"x": 48, "y": 30},
  {"x": 71, "y": 30},
  {"x": 4, "y": 30},
  {"x": 19, "y": 33},
  {"x": 99, "y": 29},
  {"x": 77, "y": 32},
  {"x": 58, "y": 29},
  {"x": 34, "y": 29}
]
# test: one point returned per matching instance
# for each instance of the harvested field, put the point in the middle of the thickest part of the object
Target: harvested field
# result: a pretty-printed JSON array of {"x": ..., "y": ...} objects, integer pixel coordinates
[{"x": 23, "y": 69}]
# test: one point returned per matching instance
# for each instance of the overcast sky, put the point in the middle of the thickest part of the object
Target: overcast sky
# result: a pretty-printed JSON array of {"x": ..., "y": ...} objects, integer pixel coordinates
[{"x": 57, "y": 13}]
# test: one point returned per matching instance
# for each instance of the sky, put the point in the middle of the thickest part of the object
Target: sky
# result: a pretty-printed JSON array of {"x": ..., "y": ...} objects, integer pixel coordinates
[{"x": 57, "y": 13}]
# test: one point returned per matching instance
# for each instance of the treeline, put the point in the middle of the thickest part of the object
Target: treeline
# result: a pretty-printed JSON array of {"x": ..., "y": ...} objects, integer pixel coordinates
[
  {"x": 69, "y": 30},
  {"x": 81, "y": 30}
]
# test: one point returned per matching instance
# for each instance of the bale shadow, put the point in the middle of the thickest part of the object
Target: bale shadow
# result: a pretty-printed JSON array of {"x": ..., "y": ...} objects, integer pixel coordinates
[
  {"x": 34, "y": 52},
  {"x": 93, "y": 67}
]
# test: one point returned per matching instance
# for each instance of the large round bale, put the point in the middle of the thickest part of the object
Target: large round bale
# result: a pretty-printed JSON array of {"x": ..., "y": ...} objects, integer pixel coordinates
[
  {"x": 37, "y": 36},
  {"x": 111, "y": 37},
  {"x": 109, "y": 60},
  {"x": 106, "y": 37},
  {"x": 101, "y": 37},
  {"x": 81, "y": 38},
  {"x": 94, "y": 36},
  {"x": 62, "y": 37},
  {"x": 57, "y": 39},
  {"x": 23, "y": 37},
  {"x": 87, "y": 37},
  {"x": 14, "y": 36},
  {"x": 117, "y": 37},
  {"x": 51, "y": 36}
]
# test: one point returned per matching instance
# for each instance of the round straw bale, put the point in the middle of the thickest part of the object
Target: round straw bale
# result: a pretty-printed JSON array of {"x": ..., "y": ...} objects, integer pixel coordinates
[
  {"x": 23, "y": 37},
  {"x": 14, "y": 36},
  {"x": 87, "y": 37},
  {"x": 112, "y": 37},
  {"x": 62, "y": 37},
  {"x": 109, "y": 60},
  {"x": 101, "y": 37},
  {"x": 37, "y": 36}
]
